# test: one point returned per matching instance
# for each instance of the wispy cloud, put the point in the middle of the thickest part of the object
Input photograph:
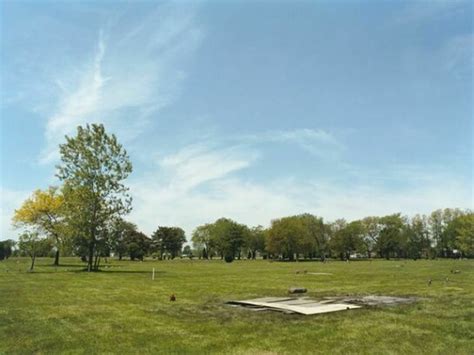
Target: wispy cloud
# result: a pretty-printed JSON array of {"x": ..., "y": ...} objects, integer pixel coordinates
[
  {"x": 75, "y": 107},
  {"x": 256, "y": 203},
  {"x": 203, "y": 182},
  {"x": 136, "y": 65},
  {"x": 131, "y": 74},
  {"x": 198, "y": 164},
  {"x": 181, "y": 180},
  {"x": 317, "y": 142}
]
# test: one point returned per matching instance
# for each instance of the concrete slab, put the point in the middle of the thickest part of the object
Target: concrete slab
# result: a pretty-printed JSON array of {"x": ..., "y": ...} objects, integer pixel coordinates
[
  {"x": 271, "y": 299},
  {"x": 301, "y": 306},
  {"x": 308, "y": 306},
  {"x": 299, "y": 301}
]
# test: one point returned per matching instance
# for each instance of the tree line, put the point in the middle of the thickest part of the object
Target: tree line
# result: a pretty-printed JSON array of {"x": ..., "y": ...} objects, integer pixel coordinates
[
  {"x": 443, "y": 233},
  {"x": 85, "y": 217}
]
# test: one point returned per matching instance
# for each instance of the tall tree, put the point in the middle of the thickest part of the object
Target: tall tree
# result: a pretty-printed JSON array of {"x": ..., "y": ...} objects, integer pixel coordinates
[
  {"x": 237, "y": 236},
  {"x": 462, "y": 228},
  {"x": 444, "y": 239},
  {"x": 285, "y": 237},
  {"x": 138, "y": 245},
  {"x": 203, "y": 241},
  {"x": 93, "y": 167},
  {"x": 255, "y": 241},
  {"x": 417, "y": 235},
  {"x": 348, "y": 239},
  {"x": 119, "y": 236},
  {"x": 449, "y": 237},
  {"x": 4, "y": 251},
  {"x": 6, "y": 248},
  {"x": 371, "y": 233},
  {"x": 436, "y": 226},
  {"x": 225, "y": 236},
  {"x": 44, "y": 212},
  {"x": 228, "y": 237},
  {"x": 316, "y": 236},
  {"x": 169, "y": 240},
  {"x": 390, "y": 241}
]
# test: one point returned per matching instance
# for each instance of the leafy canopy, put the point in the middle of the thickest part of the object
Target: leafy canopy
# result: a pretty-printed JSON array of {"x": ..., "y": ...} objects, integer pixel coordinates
[{"x": 93, "y": 167}]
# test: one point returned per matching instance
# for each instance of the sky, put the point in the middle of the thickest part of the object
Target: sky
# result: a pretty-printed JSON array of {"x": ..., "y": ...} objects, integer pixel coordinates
[{"x": 245, "y": 109}]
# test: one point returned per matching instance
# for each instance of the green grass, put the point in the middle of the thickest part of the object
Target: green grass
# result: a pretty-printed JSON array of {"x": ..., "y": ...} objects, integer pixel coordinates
[{"x": 121, "y": 310}]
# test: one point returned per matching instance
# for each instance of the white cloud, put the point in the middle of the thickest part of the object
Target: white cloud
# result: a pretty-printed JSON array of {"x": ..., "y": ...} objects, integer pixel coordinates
[
  {"x": 257, "y": 203},
  {"x": 317, "y": 142},
  {"x": 77, "y": 106},
  {"x": 177, "y": 179},
  {"x": 359, "y": 200},
  {"x": 201, "y": 183},
  {"x": 195, "y": 165},
  {"x": 133, "y": 72}
]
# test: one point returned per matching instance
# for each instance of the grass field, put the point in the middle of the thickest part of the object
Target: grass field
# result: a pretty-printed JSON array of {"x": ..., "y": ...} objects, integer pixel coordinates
[{"x": 121, "y": 310}]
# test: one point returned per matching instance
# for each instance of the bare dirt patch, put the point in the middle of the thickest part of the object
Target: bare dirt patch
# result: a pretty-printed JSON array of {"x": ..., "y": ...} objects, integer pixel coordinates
[{"x": 374, "y": 300}]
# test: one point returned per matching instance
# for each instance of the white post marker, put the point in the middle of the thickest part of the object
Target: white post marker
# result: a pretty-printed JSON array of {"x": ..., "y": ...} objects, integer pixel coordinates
[{"x": 153, "y": 274}]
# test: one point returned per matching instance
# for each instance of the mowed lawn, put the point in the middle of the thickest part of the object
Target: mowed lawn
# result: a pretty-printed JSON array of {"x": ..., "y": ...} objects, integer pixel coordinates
[{"x": 121, "y": 310}]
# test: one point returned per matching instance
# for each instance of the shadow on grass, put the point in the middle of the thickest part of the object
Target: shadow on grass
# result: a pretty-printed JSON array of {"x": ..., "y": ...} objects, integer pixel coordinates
[{"x": 83, "y": 266}]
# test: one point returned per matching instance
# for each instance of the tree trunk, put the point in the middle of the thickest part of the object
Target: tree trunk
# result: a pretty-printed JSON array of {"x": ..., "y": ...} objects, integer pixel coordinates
[
  {"x": 97, "y": 263},
  {"x": 56, "y": 258},
  {"x": 33, "y": 257},
  {"x": 90, "y": 258},
  {"x": 95, "y": 266}
]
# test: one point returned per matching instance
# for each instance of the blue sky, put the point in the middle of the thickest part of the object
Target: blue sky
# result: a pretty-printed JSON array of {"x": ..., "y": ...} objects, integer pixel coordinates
[{"x": 250, "y": 110}]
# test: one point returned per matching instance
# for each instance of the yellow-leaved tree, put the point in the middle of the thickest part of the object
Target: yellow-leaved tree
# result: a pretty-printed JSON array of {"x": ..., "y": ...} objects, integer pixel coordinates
[{"x": 43, "y": 212}]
